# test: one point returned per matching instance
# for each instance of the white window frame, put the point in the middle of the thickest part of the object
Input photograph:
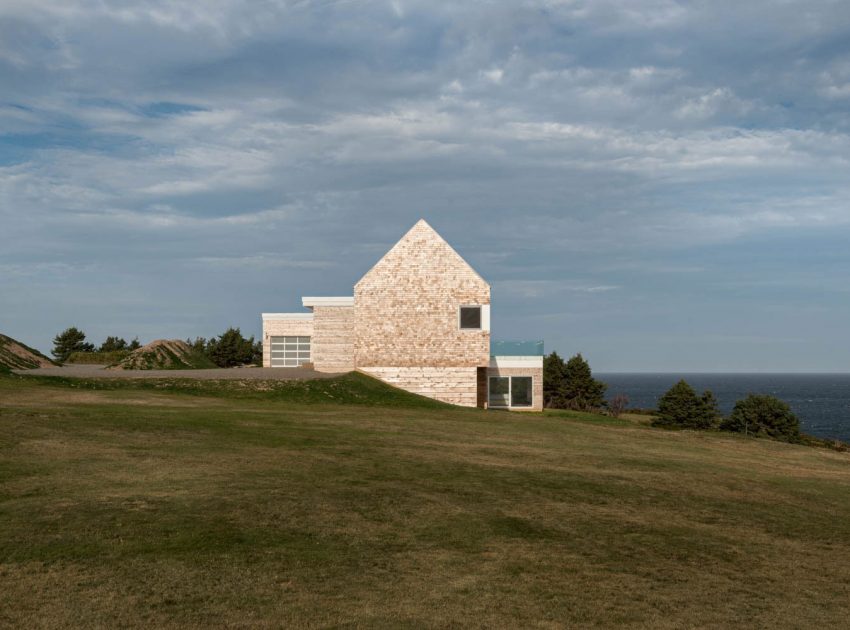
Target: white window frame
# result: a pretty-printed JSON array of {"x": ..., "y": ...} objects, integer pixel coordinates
[
  {"x": 290, "y": 344},
  {"x": 510, "y": 378}
]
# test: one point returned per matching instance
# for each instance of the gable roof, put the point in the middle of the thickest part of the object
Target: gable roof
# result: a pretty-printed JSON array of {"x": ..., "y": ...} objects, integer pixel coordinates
[{"x": 419, "y": 232}]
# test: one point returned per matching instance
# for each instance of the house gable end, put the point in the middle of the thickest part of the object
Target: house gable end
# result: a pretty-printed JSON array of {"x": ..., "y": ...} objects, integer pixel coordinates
[
  {"x": 422, "y": 251},
  {"x": 407, "y": 307}
]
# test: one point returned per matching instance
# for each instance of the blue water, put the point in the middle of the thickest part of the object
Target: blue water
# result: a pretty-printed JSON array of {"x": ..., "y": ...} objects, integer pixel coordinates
[{"x": 820, "y": 401}]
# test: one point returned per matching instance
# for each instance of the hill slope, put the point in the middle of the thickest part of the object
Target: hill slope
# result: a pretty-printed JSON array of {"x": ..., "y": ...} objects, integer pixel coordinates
[
  {"x": 134, "y": 507},
  {"x": 17, "y": 356},
  {"x": 164, "y": 354}
]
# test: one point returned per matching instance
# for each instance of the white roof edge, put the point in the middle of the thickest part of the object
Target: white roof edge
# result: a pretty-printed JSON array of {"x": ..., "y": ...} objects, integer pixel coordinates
[
  {"x": 273, "y": 316},
  {"x": 508, "y": 361},
  {"x": 347, "y": 300}
]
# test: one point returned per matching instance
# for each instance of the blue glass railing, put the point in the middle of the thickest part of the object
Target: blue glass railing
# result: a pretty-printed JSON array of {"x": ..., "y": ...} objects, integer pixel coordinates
[{"x": 516, "y": 348}]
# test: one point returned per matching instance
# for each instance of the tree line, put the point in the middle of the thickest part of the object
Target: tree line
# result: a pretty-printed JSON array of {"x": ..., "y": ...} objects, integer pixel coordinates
[
  {"x": 757, "y": 414},
  {"x": 72, "y": 340},
  {"x": 228, "y": 349},
  {"x": 570, "y": 385}
]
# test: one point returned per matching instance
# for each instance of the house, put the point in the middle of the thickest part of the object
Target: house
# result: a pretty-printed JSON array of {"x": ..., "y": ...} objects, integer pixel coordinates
[{"x": 420, "y": 320}]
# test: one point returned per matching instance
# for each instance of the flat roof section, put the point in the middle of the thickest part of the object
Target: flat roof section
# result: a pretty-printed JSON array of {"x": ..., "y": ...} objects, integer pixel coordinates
[
  {"x": 310, "y": 302},
  {"x": 273, "y": 316}
]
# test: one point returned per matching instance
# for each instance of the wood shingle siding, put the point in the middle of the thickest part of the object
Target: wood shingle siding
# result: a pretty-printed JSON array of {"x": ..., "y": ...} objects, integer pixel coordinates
[
  {"x": 404, "y": 325},
  {"x": 333, "y": 339},
  {"x": 455, "y": 385},
  {"x": 406, "y": 307}
]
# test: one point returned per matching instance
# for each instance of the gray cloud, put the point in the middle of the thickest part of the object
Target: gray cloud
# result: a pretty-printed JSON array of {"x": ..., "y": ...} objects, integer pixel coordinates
[{"x": 155, "y": 153}]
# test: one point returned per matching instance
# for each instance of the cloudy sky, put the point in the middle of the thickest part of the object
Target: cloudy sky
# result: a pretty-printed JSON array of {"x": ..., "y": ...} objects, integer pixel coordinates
[{"x": 660, "y": 185}]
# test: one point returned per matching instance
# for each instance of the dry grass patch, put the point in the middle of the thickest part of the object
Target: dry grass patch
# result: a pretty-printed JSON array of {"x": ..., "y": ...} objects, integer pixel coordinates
[{"x": 192, "y": 511}]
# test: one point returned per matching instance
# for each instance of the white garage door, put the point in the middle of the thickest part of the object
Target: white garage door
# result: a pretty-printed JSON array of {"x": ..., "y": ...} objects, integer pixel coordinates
[{"x": 290, "y": 351}]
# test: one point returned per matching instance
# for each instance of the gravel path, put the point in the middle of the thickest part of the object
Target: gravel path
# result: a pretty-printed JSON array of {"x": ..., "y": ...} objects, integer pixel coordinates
[{"x": 262, "y": 374}]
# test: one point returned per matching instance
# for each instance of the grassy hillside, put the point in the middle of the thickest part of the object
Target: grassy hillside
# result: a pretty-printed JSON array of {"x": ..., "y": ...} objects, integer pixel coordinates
[
  {"x": 144, "y": 506},
  {"x": 352, "y": 388},
  {"x": 18, "y": 356}
]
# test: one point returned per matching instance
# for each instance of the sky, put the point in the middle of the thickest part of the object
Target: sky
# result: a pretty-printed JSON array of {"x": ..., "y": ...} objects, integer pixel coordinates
[{"x": 659, "y": 185}]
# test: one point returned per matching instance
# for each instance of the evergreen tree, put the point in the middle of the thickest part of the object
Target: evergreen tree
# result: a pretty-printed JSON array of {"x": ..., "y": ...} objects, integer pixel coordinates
[
  {"x": 231, "y": 349},
  {"x": 113, "y": 344},
  {"x": 554, "y": 375},
  {"x": 199, "y": 345},
  {"x": 580, "y": 390},
  {"x": 681, "y": 407},
  {"x": 764, "y": 416},
  {"x": 134, "y": 345},
  {"x": 69, "y": 341},
  {"x": 710, "y": 413}
]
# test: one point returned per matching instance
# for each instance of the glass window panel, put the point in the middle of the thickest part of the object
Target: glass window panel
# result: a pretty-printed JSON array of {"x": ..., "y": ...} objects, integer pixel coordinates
[
  {"x": 303, "y": 339},
  {"x": 470, "y": 317},
  {"x": 500, "y": 387},
  {"x": 521, "y": 392}
]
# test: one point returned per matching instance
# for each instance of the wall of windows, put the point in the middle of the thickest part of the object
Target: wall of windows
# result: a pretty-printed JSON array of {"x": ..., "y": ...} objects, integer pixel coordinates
[{"x": 510, "y": 391}]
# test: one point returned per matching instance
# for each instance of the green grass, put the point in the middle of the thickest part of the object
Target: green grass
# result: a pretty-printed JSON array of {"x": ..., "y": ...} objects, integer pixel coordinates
[
  {"x": 97, "y": 358},
  {"x": 352, "y": 388},
  {"x": 345, "y": 503}
]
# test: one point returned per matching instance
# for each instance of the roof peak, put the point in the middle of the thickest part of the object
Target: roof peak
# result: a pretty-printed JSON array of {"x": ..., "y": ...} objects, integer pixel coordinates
[{"x": 417, "y": 231}]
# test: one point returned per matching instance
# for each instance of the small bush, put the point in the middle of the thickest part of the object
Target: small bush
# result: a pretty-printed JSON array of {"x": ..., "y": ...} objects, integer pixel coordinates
[
  {"x": 763, "y": 416},
  {"x": 681, "y": 408},
  {"x": 97, "y": 358},
  {"x": 617, "y": 405}
]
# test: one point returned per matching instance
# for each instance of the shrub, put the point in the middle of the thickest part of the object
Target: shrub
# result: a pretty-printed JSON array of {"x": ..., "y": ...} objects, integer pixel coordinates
[
  {"x": 617, "y": 405},
  {"x": 113, "y": 344},
  {"x": 763, "y": 415},
  {"x": 680, "y": 407},
  {"x": 97, "y": 358}
]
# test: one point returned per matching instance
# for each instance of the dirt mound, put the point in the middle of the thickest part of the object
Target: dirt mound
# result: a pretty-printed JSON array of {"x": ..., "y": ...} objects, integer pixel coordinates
[
  {"x": 17, "y": 356},
  {"x": 164, "y": 354}
]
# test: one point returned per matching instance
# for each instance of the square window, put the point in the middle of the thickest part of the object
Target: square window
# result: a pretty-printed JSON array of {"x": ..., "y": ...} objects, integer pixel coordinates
[{"x": 470, "y": 317}]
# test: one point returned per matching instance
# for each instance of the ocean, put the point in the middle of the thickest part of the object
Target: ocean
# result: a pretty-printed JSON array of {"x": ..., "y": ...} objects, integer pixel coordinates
[{"x": 820, "y": 401}]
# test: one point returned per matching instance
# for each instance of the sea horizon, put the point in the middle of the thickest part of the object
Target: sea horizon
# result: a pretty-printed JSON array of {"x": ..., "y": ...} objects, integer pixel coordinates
[{"x": 820, "y": 400}]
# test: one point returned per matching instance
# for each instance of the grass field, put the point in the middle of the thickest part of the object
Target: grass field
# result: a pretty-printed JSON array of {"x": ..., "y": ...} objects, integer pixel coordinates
[{"x": 352, "y": 505}]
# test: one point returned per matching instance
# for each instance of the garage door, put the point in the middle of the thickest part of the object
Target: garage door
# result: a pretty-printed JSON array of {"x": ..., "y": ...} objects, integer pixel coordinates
[{"x": 290, "y": 351}]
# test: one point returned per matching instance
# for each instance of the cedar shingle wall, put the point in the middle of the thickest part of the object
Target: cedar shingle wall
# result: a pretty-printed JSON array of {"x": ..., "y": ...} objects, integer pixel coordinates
[
  {"x": 406, "y": 307},
  {"x": 283, "y": 328},
  {"x": 332, "y": 346},
  {"x": 457, "y": 385}
]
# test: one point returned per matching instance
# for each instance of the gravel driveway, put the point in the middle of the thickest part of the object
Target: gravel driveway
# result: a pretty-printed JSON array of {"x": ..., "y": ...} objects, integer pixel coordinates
[{"x": 262, "y": 374}]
